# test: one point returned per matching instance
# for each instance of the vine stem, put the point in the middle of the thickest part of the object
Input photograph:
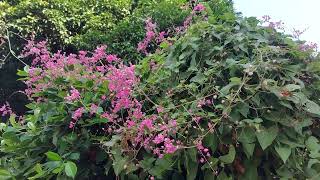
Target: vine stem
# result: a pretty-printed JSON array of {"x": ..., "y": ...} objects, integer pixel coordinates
[{"x": 10, "y": 49}]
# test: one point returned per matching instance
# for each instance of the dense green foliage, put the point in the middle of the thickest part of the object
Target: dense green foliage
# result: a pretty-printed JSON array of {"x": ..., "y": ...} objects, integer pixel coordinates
[
  {"x": 61, "y": 21},
  {"x": 263, "y": 122},
  {"x": 74, "y": 25},
  {"x": 233, "y": 99},
  {"x": 80, "y": 24}
]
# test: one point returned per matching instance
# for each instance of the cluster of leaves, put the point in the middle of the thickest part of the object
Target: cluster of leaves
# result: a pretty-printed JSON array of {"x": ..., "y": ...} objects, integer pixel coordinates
[
  {"x": 226, "y": 99},
  {"x": 60, "y": 21},
  {"x": 125, "y": 36},
  {"x": 74, "y": 25},
  {"x": 247, "y": 92},
  {"x": 64, "y": 124}
]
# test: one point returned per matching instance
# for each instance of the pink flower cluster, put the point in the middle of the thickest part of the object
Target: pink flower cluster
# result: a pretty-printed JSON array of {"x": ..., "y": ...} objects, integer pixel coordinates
[
  {"x": 121, "y": 81},
  {"x": 199, "y": 7},
  {"x": 297, "y": 33},
  {"x": 204, "y": 152},
  {"x": 74, "y": 95},
  {"x": 76, "y": 116},
  {"x": 204, "y": 102},
  {"x": 168, "y": 146},
  {"x": 308, "y": 46},
  {"x": 5, "y": 109},
  {"x": 101, "y": 69},
  {"x": 272, "y": 24},
  {"x": 187, "y": 22},
  {"x": 151, "y": 35}
]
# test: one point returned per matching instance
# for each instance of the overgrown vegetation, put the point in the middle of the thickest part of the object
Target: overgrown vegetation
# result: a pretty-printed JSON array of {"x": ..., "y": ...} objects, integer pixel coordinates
[{"x": 219, "y": 96}]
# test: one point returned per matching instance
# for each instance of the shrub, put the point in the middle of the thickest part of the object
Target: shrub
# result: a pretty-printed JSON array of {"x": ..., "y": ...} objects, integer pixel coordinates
[
  {"x": 72, "y": 26},
  {"x": 245, "y": 94},
  {"x": 125, "y": 36},
  {"x": 59, "y": 21},
  {"x": 72, "y": 98}
]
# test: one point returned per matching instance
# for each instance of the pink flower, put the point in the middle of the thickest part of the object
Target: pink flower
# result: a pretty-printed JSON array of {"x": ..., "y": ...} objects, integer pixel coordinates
[
  {"x": 146, "y": 123},
  {"x": 201, "y": 103},
  {"x": 71, "y": 125},
  {"x": 160, "y": 109},
  {"x": 74, "y": 95},
  {"x": 130, "y": 124},
  {"x": 103, "y": 97},
  {"x": 197, "y": 119},
  {"x": 6, "y": 109},
  {"x": 111, "y": 58},
  {"x": 266, "y": 18},
  {"x": 110, "y": 117},
  {"x": 199, "y": 146},
  {"x": 158, "y": 139},
  {"x": 101, "y": 69},
  {"x": 99, "y": 53},
  {"x": 161, "y": 37},
  {"x": 150, "y": 35},
  {"x": 173, "y": 123},
  {"x": 169, "y": 147},
  {"x": 78, "y": 113},
  {"x": 199, "y": 7},
  {"x": 93, "y": 109},
  {"x": 308, "y": 46}
]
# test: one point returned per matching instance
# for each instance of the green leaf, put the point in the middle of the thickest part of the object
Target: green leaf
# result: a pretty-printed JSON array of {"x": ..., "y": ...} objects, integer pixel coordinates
[
  {"x": 266, "y": 136},
  {"x": 225, "y": 90},
  {"x": 292, "y": 87},
  {"x": 38, "y": 168},
  {"x": 235, "y": 80},
  {"x": 133, "y": 177},
  {"x": 12, "y": 120},
  {"x": 248, "y": 149},
  {"x": 147, "y": 163},
  {"x": 113, "y": 141},
  {"x": 70, "y": 169},
  {"x": 119, "y": 165},
  {"x": 192, "y": 169},
  {"x": 284, "y": 152},
  {"x": 161, "y": 165},
  {"x": 209, "y": 175},
  {"x": 11, "y": 135},
  {"x": 4, "y": 174},
  {"x": 22, "y": 73},
  {"x": 228, "y": 159},
  {"x": 192, "y": 154},
  {"x": 74, "y": 156},
  {"x": 247, "y": 135},
  {"x": 312, "y": 107},
  {"x": 250, "y": 171},
  {"x": 223, "y": 176},
  {"x": 58, "y": 170},
  {"x": 199, "y": 78},
  {"x": 52, "y": 156},
  {"x": 243, "y": 108},
  {"x": 313, "y": 146},
  {"x": 211, "y": 140}
]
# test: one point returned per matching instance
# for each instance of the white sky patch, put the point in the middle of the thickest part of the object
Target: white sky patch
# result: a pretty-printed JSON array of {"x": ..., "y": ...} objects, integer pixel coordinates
[{"x": 298, "y": 14}]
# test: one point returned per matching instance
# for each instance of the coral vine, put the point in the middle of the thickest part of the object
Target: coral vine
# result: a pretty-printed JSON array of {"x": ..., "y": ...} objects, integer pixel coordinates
[{"x": 100, "y": 68}]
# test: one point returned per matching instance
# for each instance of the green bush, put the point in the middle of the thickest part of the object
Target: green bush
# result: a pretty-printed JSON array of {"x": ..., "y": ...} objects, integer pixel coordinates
[
  {"x": 125, "y": 36},
  {"x": 59, "y": 21},
  {"x": 247, "y": 92}
]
